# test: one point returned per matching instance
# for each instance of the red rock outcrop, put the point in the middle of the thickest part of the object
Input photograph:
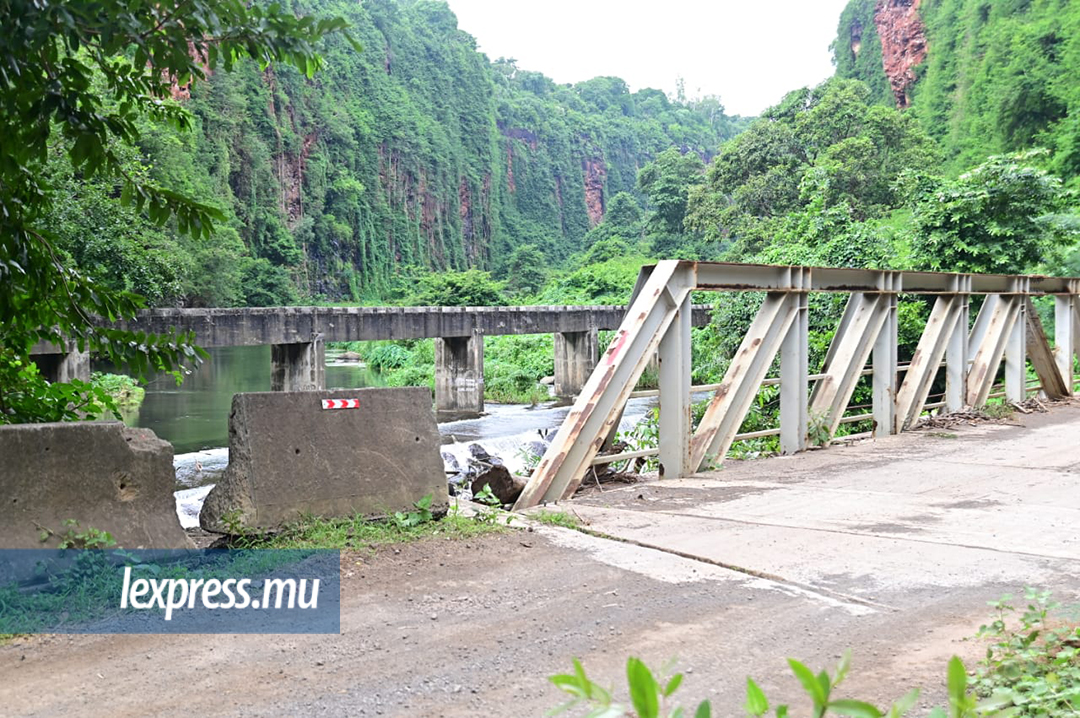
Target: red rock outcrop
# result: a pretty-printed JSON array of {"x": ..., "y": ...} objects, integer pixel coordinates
[
  {"x": 510, "y": 168},
  {"x": 198, "y": 54},
  {"x": 595, "y": 172},
  {"x": 903, "y": 43}
]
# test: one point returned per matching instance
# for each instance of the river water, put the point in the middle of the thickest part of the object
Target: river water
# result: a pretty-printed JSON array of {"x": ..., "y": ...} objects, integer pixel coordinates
[{"x": 194, "y": 418}]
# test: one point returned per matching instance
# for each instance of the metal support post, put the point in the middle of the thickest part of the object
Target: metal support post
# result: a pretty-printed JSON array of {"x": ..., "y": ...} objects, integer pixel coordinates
[
  {"x": 794, "y": 353},
  {"x": 675, "y": 426}
]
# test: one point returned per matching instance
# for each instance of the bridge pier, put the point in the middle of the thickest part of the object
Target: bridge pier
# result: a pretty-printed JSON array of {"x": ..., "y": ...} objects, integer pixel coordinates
[
  {"x": 575, "y": 358},
  {"x": 64, "y": 366},
  {"x": 459, "y": 376},
  {"x": 298, "y": 367}
]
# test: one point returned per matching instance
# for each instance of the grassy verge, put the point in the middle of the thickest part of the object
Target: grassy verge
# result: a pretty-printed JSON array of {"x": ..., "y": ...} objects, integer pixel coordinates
[{"x": 365, "y": 535}]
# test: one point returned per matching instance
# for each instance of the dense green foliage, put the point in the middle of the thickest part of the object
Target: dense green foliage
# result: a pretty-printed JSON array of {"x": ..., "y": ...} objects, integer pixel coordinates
[
  {"x": 417, "y": 171},
  {"x": 1001, "y": 217},
  {"x": 998, "y": 77},
  {"x": 827, "y": 152},
  {"x": 77, "y": 82},
  {"x": 415, "y": 153}
]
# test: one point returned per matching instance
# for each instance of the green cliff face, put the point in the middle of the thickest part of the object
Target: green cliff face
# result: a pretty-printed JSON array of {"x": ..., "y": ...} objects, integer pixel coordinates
[
  {"x": 417, "y": 152},
  {"x": 983, "y": 77}
]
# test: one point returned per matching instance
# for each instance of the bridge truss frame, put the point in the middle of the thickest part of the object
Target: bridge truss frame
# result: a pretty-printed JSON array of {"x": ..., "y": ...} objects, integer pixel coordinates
[{"x": 1006, "y": 329}]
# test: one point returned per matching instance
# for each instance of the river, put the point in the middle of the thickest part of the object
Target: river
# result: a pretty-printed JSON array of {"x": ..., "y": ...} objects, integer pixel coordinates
[{"x": 194, "y": 418}]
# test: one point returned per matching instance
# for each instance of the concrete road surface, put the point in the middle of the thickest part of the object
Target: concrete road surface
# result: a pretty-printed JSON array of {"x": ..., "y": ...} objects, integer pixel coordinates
[{"x": 890, "y": 548}]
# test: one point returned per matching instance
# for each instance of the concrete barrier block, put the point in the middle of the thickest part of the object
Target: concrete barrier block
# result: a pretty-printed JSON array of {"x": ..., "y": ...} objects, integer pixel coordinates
[
  {"x": 289, "y": 457},
  {"x": 102, "y": 474}
]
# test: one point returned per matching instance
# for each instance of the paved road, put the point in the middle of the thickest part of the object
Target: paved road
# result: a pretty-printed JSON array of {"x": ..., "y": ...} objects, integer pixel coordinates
[{"x": 891, "y": 548}]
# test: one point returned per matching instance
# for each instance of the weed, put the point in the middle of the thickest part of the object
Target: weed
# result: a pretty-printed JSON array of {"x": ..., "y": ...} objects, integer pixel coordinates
[
  {"x": 364, "y": 534},
  {"x": 77, "y": 537},
  {"x": 530, "y": 459},
  {"x": 1030, "y": 670},
  {"x": 818, "y": 432},
  {"x": 943, "y": 435},
  {"x": 1033, "y": 668},
  {"x": 489, "y": 511},
  {"x": 405, "y": 519},
  {"x": 557, "y": 518},
  {"x": 644, "y": 435}
]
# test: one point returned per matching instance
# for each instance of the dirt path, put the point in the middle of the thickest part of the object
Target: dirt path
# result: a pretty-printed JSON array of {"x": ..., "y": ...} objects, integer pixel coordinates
[{"x": 466, "y": 629}]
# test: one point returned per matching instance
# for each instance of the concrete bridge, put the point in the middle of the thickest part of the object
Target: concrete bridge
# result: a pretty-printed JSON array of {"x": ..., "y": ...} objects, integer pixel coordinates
[{"x": 298, "y": 335}]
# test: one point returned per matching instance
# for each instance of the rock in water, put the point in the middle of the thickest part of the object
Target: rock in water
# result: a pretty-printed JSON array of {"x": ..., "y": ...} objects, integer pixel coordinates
[{"x": 504, "y": 485}]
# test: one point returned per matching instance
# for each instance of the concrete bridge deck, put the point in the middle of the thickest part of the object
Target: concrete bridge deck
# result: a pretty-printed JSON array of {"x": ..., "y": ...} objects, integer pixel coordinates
[
  {"x": 890, "y": 548},
  {"x": 298, "y": 336}
]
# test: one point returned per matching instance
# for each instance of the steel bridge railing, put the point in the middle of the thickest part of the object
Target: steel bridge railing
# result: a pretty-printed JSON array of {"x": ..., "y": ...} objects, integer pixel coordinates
[{"x": 1006, "y": 330}]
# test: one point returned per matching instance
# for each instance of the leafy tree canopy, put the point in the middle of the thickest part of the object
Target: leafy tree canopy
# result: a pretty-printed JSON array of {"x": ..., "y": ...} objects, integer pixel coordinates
[
  {"x": 1000, "y": 217},
  {"x": 78, "y": 78},
  {"x": 828, "y": 142},
  {"x": 471, "y": 288}
]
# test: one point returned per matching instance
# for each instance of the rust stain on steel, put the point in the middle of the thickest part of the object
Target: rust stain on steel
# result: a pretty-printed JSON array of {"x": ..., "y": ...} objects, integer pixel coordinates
[{"x": 616, "y": 346}]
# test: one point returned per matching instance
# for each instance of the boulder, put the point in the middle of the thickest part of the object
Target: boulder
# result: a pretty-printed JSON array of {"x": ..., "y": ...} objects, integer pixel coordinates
[{"x": 504, "y": 485}]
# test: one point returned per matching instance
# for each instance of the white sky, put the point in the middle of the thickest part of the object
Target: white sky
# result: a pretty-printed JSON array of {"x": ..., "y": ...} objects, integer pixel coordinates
[{"x": 749, "y": 52}]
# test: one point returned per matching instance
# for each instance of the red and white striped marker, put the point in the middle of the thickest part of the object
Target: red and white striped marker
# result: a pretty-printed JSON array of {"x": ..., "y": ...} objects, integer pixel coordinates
[{"x": 341, "y": 403}]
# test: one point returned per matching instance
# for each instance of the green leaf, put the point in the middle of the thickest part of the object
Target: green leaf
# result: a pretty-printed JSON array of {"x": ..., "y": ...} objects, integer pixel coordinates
[
  {"x": 906, "y": 703},
  {"x": 756, "y": 703},
  {"x": 704, "y": 710},
  {"x": 644, "y": 689},
  {"x": 957, "y": 681},
  {"x": 856, "y": 709},
  {"x": 842, "y": 668},
  {"x": 673, "y": 684},
  {"x": 809, "y": 682}
]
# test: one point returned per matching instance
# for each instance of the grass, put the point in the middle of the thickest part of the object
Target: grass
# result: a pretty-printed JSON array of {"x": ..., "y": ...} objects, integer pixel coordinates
[
  {"x": 1001, "y": 410},
  {"x": 557, "y": 518},
  {"x": 366, "y": 535}
]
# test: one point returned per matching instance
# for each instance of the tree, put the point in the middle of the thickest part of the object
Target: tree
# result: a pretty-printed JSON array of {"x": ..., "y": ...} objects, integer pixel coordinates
[
  {"x": 666, "y": 181},
  {"x": 471, "y": 288},
  {"x": 82, "y": 76},
  {"x": 525, "y": 270},
  {"x": 826, "y": 142},
  {"x": 623, "y": 212},
  {"x": 999, "y": 217}
]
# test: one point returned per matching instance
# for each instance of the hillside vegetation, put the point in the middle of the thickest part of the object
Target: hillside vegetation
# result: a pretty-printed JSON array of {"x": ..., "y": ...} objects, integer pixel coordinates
[
  {"x": 416, "y": 153},
  {"x": 997, "y": 77}
]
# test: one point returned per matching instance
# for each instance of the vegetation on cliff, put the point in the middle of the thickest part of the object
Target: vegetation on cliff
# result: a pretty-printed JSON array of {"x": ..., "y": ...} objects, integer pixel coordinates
[
  {"x": 988, "y": 77},
  {"x": 414, "y": 154}
]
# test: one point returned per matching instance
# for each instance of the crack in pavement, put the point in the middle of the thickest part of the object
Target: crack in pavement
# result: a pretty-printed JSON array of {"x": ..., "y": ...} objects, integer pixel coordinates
[
  {"x": 814, "y": 590},
  {"x": 765, "y": 524}
]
